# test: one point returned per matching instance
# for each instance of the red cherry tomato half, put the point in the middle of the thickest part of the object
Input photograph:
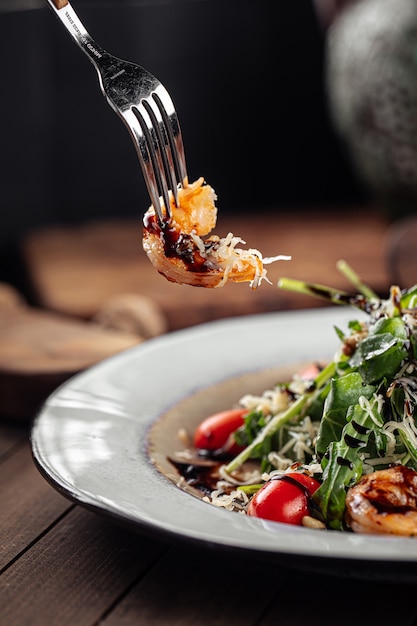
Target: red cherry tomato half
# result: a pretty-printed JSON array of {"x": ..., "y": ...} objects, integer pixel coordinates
[
  {"x": 310, "y": 372},
  {"x": 214, "y": 432},
  {"x": 284, "y": 499}
]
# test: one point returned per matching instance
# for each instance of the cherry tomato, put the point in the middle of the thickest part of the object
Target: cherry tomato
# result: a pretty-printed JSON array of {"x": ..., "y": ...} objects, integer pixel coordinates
[
  {"x": 284, "y": 499},
  {"x": 310, "y": 372},
  {"x": 214, "y": 432}
]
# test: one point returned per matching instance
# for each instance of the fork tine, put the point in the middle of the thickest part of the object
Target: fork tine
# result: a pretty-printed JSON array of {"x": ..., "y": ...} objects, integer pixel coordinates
[
  {"x": 156, "y": 148},
  {"x": 163, "y": 164},
  {"x": 169, "y": 115},
  {"x": 162, "y": 149},
  {"x": 143, "y": 133},
  {"x": 169, "y": 148}
]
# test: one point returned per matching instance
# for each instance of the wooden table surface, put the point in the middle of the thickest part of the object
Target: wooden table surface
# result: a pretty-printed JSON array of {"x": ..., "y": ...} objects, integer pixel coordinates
[{"x": 61, "y": 564}]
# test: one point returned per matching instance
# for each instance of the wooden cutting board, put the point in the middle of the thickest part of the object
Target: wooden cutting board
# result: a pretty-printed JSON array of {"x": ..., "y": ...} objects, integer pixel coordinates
[
  {"x": 39, "y": 350},
  {"x": 76, "y": 270}
]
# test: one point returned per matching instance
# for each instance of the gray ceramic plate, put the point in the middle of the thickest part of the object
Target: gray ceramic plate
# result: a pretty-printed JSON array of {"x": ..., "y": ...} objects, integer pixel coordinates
[{"x": 101, "y": 439}]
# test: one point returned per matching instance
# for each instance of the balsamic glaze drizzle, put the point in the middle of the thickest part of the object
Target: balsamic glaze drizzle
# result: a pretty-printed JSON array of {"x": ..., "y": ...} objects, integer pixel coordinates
[{"x": 179, "y": 245}]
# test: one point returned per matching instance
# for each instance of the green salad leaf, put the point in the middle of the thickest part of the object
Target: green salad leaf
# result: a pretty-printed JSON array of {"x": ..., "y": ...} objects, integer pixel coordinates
[
  {"x": 342, "y": 463},
  {"x": 344, "y": 393}
]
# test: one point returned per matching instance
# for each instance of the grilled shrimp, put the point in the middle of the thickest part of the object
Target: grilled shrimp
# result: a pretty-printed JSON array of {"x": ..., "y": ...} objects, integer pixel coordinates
[
  {"x": 178, "y": 251},
  {"x": 384, "y": 502}
]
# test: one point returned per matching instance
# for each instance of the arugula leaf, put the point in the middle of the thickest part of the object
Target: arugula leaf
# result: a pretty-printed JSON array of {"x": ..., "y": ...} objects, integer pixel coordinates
[
  {"x": 381, "y": 353},
  {"x": 255, "y": 422},
  {"x": 344, "y": 393},
  {"x": 342, "y": 465}
]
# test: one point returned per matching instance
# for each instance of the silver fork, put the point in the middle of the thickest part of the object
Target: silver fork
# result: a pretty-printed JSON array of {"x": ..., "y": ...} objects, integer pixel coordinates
[{"x": 145, "y": 107}]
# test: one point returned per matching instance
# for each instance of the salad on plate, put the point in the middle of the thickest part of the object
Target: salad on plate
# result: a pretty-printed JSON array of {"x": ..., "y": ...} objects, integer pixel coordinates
[{"x": 335, "y": 447}]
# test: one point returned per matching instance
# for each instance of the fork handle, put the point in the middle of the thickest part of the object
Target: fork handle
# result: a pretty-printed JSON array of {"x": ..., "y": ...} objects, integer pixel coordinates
[{"x": 77, "y": 30}]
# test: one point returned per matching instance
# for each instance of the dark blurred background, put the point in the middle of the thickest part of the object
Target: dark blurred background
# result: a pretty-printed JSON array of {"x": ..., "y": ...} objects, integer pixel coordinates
[{"x": 246, "y": 77}]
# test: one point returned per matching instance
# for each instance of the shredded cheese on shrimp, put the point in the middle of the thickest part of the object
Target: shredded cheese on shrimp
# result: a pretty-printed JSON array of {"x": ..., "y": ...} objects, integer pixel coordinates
[{"x": 178, "y": 250}]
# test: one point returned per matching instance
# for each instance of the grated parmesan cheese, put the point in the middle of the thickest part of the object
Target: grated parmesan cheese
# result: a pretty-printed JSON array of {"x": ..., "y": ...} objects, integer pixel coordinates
[{"x": 210, "y": 262}]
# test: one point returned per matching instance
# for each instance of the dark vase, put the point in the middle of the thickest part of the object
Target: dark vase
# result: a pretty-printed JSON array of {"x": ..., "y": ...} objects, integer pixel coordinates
[{"x": 371, "y": 75}]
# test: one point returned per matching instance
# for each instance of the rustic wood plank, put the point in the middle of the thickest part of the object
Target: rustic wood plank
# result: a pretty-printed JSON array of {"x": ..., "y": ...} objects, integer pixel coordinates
[
  {"x": 34, "y": 342},
  {"x": 39, "y": 350},
  {"x": 76, "y": 573},
  {"x": 10, "y": 297},
  {"x": 75, "y": 270},
  {"x": 402, "y": 251},
  {"x": 208, "y": 586},
  {"x": 28, "y": 504},
  {"x": 11, "y": 437}
]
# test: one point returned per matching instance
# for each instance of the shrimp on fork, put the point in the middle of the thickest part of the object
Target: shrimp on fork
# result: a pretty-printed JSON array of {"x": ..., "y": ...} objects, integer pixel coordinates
[
  {"x": 180, "y": 250},
  {"x": 384, "y": 502}
]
